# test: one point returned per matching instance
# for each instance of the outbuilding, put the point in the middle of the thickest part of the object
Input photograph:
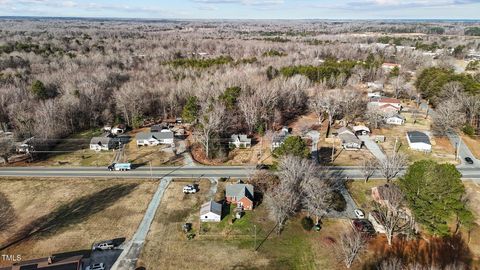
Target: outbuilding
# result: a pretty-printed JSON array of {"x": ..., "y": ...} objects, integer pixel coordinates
[
  {"x": 419, "y": 141},
  {"x": 395, "y": 120},
  {"x": 211, "y": 212}
]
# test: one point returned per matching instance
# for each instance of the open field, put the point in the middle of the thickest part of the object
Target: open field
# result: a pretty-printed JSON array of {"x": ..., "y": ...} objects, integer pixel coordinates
[
  {"x": 225, "y": 245},
  {"x": 61, "y": 215}
]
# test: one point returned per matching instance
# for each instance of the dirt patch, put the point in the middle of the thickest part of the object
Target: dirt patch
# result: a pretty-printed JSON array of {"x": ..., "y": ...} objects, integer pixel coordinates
[{"x": 53, "y": 216}]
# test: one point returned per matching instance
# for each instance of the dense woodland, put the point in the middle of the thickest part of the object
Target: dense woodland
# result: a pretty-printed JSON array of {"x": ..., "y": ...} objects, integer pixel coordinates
[{"x": 61, "y": 76}]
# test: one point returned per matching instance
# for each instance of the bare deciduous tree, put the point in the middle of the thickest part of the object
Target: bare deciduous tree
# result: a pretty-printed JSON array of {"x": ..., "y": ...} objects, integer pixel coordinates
[
  {"x": 391, "y": 165},
  {"x": 351, "y": 245},
  {"x": 391, "y": 214},
  {"x": 317, "y": 197},
  {"x": 369, "y": 167},
  {"x": 448, "y": 116},
  {"x": 250, "y": 107},
  {"x": 281, "y": 204},
  {"x": 210, "y": 122}
]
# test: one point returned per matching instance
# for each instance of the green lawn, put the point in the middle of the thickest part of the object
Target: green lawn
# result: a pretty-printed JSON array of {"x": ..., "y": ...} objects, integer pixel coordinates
[
  {"x": 361, "y": 192},
  {"x": 294, "y": 248}
]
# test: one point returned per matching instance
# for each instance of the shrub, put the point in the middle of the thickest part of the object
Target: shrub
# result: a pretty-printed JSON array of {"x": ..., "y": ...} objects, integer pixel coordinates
[
  {"x": 307, "y": 223},
  {"x": 468, "y": 130}
]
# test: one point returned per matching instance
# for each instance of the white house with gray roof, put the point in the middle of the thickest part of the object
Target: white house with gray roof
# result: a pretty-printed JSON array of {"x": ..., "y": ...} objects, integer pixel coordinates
[
  {"x": 102, "y": 143},
  {"x": 211, "y": 212},
  {"x": 240, "y": 141},
  {"x": 419, "y": 141},
  {"x": 155, "y": 138}
]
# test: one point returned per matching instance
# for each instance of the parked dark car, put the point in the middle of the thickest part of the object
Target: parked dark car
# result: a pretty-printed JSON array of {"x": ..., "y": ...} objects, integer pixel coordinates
[
  {"x": 469, "y": 160},
  {"x": 364, "y": 226}
]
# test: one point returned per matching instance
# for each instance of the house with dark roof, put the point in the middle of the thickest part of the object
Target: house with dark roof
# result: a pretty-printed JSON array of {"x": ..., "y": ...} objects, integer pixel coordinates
[
  {"x": 350, "y": 141},
  {"x": 241, "y": 195},
  {"x": 104, "y": 143},
  {"x": 211, "y": 212},
  {"x": 419, "y": 141},
  {"x": 49, "y": 263},
  {"x": 154, "y": 138}
]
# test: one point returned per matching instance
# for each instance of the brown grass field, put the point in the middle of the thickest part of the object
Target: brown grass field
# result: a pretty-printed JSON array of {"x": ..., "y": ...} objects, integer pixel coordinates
[{"x": 61, "y": 215}]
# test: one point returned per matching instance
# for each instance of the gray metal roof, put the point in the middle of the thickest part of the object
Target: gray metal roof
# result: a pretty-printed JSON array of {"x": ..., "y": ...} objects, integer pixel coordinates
[
  {"x": 418, "y": 137},
  {"x": 211, "y": 206},
  {"x": 156, "y": 135},
  {"x": 239, "y": 191},
  {"x": 100, "y": 140},
  {"x": 240, "y": 138}
]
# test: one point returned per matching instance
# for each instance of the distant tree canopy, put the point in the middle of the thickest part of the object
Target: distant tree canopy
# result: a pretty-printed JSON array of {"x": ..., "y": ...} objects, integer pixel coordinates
[
  {"x": 472, "y": 31},
  {"x": 330, "y": 68},
  {"x": 190, "y": 110},
  {"x": 230, "y": 96},
  {"x": 201, "y": 63},
  {"x": 436, "y": 30},
  {"x": 272, "y": 53},
  {"x": 434, "y": 193},
  {"x": 432, "y": 80},
  {"x": 293, "y": 145}
]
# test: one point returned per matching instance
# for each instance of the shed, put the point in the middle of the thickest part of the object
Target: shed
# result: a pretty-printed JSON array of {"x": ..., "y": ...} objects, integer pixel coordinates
[
  {"x": 419, "y": 141},
  {"x": 211, "y": 212}
]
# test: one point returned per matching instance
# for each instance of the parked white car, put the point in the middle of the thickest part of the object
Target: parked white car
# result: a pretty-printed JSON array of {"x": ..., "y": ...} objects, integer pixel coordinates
[
  {"x": 359, "y": 213},
  {"x": 189, "y": 189},
  {"x": 97, "y": 266}
]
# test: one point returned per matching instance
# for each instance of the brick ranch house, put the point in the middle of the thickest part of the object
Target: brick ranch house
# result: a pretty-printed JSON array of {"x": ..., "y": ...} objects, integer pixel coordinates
[{"x": 241, "y": 195}]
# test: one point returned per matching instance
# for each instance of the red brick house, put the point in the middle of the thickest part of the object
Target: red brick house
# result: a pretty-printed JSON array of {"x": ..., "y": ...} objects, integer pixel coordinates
[{"x": 241, "y": 195}]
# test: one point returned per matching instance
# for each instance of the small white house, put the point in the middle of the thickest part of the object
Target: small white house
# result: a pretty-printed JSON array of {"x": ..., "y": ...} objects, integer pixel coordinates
[
  {"x": 419, "y": 141},
  {"x": 395, "y": 120},
  {"x": 279, "y": 137},
  {"x": 102, "y": 143},
  {"x": 240, "y": 141},
  {"x": 211, "y": 212},
  {"x": 155, "y": 138}
]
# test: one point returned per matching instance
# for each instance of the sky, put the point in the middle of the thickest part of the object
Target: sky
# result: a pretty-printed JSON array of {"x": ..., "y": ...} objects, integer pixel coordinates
[{"x": 246, "y": 9}]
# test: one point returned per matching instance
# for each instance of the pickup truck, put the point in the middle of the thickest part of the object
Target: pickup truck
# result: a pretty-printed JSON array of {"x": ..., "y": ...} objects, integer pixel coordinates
[
  {"x": 103, "y": 245},
  {"x": 120, "y": 167}
]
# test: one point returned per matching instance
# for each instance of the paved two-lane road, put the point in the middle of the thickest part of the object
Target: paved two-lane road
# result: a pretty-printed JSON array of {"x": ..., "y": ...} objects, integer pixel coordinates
[{"x": 184, "y": 172}]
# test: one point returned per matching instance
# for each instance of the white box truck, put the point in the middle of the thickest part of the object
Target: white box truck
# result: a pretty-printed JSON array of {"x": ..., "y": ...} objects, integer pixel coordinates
[{"x": 120, "y": 167}]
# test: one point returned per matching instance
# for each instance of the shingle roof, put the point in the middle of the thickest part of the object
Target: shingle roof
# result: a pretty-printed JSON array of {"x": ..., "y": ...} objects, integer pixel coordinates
[
  {"x": 239, "y": 191},
  {"x": 211, "y": 206},
  {"x": 418, "y": 137},
  {"x": 100, "y": 140},
  {"x": 240, "y": 138},
  {"x": 156, "y": 135}
]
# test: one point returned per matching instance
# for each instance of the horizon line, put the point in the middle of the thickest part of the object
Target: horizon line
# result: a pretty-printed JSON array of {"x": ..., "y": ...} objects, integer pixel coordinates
[{"x": 232, "y": 19}]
